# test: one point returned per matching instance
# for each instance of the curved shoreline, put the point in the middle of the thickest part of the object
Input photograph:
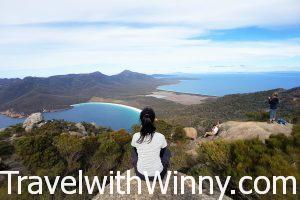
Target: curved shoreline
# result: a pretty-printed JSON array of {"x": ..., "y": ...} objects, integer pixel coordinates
[
  {"x": 114, "y": 104},
  {"x": 128, "y": 109}
]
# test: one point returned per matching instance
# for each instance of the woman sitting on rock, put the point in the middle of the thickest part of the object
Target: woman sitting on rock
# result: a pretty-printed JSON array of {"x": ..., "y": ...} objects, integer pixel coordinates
[
  {"x": 214, "y": 130},
  {"x": 150, "y": 153}
]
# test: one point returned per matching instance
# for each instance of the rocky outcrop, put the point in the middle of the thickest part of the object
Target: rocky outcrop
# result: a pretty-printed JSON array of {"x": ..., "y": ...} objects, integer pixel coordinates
[
  {"x": 81, "y": 128},
  {"x": 95, "y": 125},
  {"x": 157, "y": 192},
  {"x": 74, "y": 133},
  {"x": 34, "y": 120},
  {"x": 190, "y": 132},
  {"x": 233, "y": 130}
]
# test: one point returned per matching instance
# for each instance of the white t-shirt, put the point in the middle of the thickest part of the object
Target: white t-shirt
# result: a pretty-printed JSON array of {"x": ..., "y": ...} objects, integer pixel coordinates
[
  {"x": 149, "y": 153},
  {"x": 215, "y": 130}
]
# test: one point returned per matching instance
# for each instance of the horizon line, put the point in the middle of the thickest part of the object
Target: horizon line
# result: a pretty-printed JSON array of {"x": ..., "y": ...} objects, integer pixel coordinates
[{"x": 155, "y": 74}]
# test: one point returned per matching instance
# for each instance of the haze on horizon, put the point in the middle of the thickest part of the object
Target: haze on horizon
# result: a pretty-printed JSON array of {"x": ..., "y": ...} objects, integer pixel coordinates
[{"x": 43, "y": 38}]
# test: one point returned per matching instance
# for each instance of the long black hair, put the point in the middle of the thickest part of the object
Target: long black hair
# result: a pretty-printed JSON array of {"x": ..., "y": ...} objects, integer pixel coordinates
[{"x": 147, "y": 118}]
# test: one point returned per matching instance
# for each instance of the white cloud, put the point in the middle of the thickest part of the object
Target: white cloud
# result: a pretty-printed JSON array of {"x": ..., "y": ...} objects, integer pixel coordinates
[
  {"x": 213, "y": 13},
  {"x": 147, "y": 36}
]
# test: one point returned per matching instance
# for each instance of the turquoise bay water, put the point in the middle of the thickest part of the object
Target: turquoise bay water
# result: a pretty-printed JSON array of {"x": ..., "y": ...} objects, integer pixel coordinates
[
  {"x": 7, "y": 121},
  {"x": 223, "y": 84},
  {"x": 104, "y": 114}
]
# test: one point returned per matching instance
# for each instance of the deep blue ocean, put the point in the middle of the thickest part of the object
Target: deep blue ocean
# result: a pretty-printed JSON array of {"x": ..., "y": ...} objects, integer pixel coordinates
[
  {"x": 223, "y": 84},
  {"x": 108, "y": 115}
]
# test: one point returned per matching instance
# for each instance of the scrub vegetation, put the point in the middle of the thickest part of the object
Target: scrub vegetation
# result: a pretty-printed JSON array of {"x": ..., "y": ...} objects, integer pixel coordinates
[
  {"x": 54, "y": 149},
  {"x": 278, "y": 156},
  {"x": 50, "y": 150},
  {"x": 237, "y": 107}
]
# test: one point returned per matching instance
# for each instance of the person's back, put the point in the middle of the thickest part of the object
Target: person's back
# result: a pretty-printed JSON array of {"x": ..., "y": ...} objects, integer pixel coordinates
[
  {"x": 273, "y": 102},
  {"x": 149, "y": 153}
]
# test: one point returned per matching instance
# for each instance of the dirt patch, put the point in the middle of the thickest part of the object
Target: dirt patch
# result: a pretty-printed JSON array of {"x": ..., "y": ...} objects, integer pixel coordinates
[{"x": 182, "y": 98}]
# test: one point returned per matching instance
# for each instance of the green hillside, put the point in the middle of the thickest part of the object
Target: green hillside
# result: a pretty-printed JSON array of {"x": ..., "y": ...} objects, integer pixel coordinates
[
  {"x": 238, "y": 107},
  {"x": 34, "y": 94}
]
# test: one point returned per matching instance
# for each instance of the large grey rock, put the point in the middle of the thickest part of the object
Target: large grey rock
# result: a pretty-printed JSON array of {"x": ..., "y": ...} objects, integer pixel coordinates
[
  {"x": 95, "y": 125},
  {"x": 157, "y": 192},
  {"x": 32, "y": 121},
  {"x": 234, "y": 130},
  {"x": 29, "y": 128},
  {"x": 81, "y": 128},
  {"x": 74, "y": 133},
  {"x": 190, "y": 132}
]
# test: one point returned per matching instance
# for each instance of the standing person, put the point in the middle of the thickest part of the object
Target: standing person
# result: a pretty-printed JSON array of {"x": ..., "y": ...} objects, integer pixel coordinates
[
  {"x": 150, "y": 153},
  {"x": 273, "y": 102}
]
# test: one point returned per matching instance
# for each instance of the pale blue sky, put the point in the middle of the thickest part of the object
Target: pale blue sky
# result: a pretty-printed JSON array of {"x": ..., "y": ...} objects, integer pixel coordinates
[{"x": 42, "y": 38}]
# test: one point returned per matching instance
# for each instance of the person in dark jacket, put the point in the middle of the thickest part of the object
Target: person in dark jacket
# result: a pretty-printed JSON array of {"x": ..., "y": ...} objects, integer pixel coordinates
[{"x": 273, "y": 102}]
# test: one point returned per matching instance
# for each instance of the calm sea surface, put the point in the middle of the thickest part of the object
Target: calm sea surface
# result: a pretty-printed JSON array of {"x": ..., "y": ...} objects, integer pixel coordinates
[
  {"x": 103, "y": 114},
  {"x": 223, "y": 84}
]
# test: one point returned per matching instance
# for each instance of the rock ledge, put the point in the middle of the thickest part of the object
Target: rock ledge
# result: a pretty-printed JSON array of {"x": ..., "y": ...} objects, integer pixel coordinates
[{"x": 157, "y": 192}]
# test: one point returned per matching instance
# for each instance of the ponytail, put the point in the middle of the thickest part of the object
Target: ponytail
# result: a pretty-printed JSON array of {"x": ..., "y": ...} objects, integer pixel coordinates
[{"x": 147, "y": 118}]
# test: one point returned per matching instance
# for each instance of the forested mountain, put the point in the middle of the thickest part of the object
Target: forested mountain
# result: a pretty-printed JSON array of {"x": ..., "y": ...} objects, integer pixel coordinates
[
  {"x": 33, "y": 94},
  {"x": 238, "y": 107}
]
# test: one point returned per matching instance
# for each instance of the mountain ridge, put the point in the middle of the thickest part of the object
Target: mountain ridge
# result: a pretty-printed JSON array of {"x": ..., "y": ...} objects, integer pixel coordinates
[{"x": 32, "y": 94}]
